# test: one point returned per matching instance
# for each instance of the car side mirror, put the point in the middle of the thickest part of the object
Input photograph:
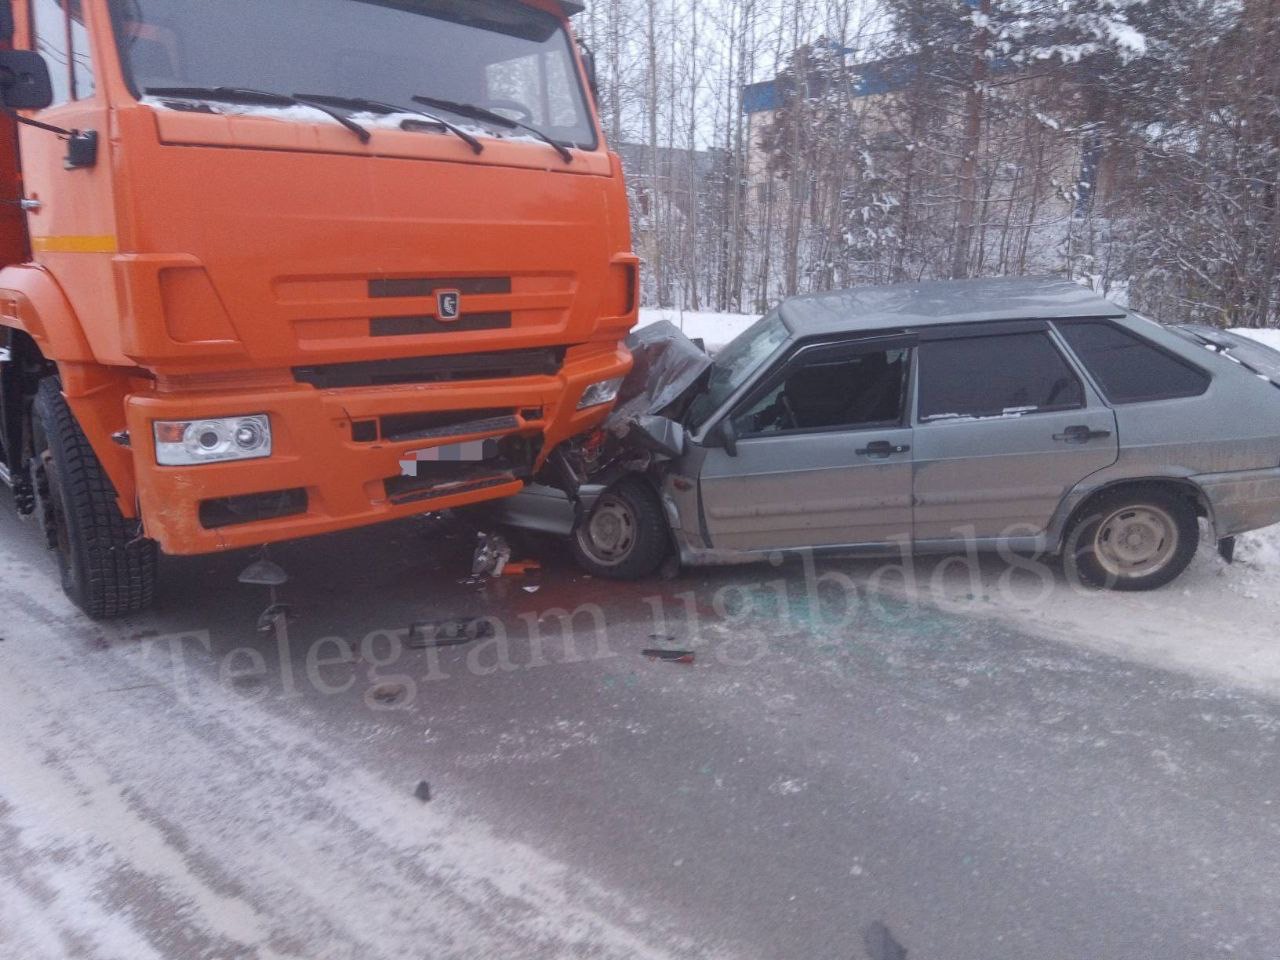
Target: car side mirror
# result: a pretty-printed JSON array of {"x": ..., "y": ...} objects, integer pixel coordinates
[
  {"x": 25, "y": 83},
  {"x": 724, "y": 435}
]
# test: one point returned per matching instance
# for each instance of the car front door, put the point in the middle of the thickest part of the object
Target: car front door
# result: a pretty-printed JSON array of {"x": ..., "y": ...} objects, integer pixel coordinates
[
  {"x": 1004, "y": 428},
  {"x": 818, "y": 454}
]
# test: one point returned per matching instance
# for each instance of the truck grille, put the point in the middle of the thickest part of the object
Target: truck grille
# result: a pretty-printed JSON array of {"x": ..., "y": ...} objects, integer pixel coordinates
[
  {"x": 502, "y": 365},
  {"x": 416, "y": 326},
  {"x": 455, "y": 423},
  {"x": 427, "y": 286}
]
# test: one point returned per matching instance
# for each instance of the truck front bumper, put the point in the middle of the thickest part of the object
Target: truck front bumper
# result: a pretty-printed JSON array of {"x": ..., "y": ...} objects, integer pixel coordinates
[{"x": 337, "y": 454}]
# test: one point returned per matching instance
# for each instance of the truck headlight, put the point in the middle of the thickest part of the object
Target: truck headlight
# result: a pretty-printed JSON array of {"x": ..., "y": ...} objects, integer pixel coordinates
[
  {"x": 606, "y": 391},
  {"x": 182, "y": 443}
]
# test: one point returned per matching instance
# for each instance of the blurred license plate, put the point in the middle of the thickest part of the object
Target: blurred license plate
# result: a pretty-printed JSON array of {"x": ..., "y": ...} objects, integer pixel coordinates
[{"x": 473, "y": 451}]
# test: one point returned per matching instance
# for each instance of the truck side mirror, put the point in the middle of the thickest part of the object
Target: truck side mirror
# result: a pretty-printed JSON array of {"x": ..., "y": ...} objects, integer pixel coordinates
[
  {"x": 25, "y": 83},
  {"x": 589, "y": 65}
]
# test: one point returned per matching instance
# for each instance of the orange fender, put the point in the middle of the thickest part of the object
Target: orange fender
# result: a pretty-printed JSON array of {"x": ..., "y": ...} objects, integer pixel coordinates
[{"x": 32, "y": 301}]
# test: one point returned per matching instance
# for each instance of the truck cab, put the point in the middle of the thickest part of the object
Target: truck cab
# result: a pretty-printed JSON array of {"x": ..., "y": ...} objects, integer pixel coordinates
[{"x": 279, "y": 268}]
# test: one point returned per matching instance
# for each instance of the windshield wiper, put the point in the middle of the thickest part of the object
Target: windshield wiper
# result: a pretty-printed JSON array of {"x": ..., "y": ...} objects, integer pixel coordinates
[
  {"x": 263, "y": 98},
  {"x": 497, "y": 119},
  {"x": 379, "y": 106}
]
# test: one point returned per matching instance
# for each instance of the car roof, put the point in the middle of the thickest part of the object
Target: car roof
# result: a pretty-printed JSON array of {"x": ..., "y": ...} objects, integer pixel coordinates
[{"x": 930, "y": 303}]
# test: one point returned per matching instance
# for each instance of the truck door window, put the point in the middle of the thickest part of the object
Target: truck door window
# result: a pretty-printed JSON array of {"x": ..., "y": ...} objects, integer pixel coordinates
[
  {"x": 995, "y": 376},
  {"x": 851, "y": 393},
  {"x": 49, "y": 38},
  {"x": 82, "y": 78},
  {"x": 56, "y": 27}
]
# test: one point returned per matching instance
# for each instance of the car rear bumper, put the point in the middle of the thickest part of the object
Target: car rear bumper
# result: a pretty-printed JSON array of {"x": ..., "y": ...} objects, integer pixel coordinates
[
  {"x": 327, "y": 474},
  {"x": 1242, "y": 500}
]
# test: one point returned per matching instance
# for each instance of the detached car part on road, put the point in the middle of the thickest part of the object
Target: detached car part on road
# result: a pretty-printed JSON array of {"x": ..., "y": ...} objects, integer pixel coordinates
[{"x": 1027, "y": 415}]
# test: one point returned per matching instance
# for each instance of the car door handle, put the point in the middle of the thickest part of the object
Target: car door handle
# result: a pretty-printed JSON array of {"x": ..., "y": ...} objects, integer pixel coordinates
[
  {"x": 1081, "y": 434},
  {"x": 882, "y": 449}
]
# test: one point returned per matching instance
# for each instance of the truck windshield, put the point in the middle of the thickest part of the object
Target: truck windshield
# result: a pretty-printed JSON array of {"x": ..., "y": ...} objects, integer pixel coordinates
[{"x": 501, "y": 55}]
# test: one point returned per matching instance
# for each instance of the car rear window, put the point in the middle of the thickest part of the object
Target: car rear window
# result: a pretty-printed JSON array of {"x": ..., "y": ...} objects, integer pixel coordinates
[
  {"x": 994, "y": 376},
  {"x": 1130, "y": 369}
]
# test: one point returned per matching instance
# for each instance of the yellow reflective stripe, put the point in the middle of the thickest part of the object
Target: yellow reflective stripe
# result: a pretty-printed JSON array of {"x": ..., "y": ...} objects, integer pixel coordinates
[{"x": 74, "y": 245}]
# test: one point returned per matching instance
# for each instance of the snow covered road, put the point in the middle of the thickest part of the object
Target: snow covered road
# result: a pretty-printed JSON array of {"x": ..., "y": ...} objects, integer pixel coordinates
[{"x": 143, "y": 817}]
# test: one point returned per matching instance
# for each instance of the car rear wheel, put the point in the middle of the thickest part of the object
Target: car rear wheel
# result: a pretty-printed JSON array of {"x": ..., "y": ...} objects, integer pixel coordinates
[
  {"x": 1137, "y": 539},
  {"x": 107, "y": 569},
  {"x": 625, "y": 537}
]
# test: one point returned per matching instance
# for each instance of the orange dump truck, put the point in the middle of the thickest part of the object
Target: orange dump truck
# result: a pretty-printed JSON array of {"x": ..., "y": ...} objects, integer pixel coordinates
[{"x": 275, "y": 268}]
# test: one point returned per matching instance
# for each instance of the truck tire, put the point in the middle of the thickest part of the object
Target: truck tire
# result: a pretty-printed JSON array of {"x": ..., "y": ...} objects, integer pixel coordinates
[
  {"x": 626, "y": 535},
  {"x": 107, "y": 569},
  {"x": 1139, "y": 538}
]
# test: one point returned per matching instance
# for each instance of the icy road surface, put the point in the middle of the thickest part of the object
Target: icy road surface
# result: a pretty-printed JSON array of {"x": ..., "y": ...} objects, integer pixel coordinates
[{"x": 997, "y": 779}]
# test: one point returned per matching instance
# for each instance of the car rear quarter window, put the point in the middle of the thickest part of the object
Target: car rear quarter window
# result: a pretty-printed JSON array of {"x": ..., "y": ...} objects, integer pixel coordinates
[
  {"x": 994, "y": 376},
  {"x": 1130, "y": 369}
]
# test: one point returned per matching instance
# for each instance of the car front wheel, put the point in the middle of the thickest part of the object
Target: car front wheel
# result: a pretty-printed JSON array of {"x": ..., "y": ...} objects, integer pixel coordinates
[
  {"x": 625, "y": 536},
  {"x": 1138, "y": 539}
]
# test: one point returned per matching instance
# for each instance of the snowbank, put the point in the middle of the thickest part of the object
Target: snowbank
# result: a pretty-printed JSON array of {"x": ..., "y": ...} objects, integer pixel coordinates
[{"x": 1270, "y": 337}]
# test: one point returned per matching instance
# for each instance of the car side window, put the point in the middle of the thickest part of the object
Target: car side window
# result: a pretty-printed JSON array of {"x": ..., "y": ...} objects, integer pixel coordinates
[
  {"x": 1129, "y": 369},
  {"x": 855, "y": 392},
  {"x": 995, "y": 376}
]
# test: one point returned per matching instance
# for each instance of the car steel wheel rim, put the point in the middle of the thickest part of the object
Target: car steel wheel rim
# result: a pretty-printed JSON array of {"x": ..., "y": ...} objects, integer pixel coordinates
[
  {"x": 610, "y": 535},
  {"x": 1136, "y": 542}
]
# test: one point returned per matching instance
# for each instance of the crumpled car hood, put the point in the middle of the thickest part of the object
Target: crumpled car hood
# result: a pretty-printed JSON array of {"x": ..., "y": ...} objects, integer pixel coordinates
[{"x": 668, "y": 368}]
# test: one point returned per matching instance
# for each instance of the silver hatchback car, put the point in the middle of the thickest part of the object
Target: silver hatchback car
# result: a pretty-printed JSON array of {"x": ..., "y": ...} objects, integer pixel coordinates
[{"x": 934, "y": 417}]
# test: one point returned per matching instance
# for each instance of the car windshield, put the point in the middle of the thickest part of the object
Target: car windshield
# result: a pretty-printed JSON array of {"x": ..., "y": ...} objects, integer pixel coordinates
[
  {"x": 736, "y": 364},
  {"x": 503, "y": 56}
]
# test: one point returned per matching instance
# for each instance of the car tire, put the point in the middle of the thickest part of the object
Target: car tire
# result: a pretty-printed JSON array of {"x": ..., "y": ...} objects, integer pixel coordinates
[
  {"x": 107, "y": 569},
  {"x": 1132, "y": 540},
  {"x": 625, "y": 537}
]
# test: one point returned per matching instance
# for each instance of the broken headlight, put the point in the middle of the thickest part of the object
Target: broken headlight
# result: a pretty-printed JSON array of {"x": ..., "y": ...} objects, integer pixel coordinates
[{"x": 606, "y": 391}]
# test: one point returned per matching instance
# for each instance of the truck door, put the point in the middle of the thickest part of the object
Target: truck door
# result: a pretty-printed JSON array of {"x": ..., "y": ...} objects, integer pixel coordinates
[
  {"x": 822, "y": 455},
  {"x": 73, "y": 228}
]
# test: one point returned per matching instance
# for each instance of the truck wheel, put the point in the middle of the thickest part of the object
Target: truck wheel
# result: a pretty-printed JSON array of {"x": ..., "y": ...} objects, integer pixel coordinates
[
  {"x": 626, "y": 535},
  {"x": 107, "y": 570},
  {"x": 1135, "y": 539}
]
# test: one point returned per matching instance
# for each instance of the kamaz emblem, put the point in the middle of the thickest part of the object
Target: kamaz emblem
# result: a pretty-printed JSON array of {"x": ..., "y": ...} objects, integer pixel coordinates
[{"x": 449, "y": 304}]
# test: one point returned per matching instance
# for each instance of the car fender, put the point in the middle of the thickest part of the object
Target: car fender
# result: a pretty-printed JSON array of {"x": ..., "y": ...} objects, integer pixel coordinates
[{"x": 1116, "y": 476}]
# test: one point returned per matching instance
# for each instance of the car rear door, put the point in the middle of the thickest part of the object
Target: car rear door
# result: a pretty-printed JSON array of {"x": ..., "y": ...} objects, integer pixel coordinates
[
  {"x": 1005, "y": 426},
  {"x": 821, "y": 455}
]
